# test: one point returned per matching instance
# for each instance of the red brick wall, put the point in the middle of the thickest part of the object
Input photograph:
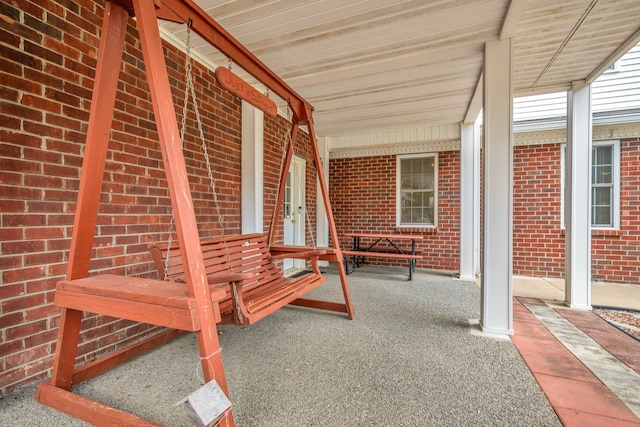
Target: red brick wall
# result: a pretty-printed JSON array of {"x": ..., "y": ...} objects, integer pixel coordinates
[
  {"x": 538, "y": 237},
  {"x": 615, "y": 256},
  {"x": 538, "y": 240},
  {"x": 363, "y": 197},
  {"x": 47, "y": 67}
]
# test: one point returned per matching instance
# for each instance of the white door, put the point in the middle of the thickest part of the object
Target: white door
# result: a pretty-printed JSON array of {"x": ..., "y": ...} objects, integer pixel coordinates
[{"x": 293, "y": 209}]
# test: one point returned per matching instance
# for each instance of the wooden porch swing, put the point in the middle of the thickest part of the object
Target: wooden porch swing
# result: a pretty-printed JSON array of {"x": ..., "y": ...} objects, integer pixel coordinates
[{"x": 187, "y": 303}]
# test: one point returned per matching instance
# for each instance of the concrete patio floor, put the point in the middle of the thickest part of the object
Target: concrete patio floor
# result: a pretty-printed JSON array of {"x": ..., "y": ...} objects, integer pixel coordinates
[{"x": 411, "y": 357}]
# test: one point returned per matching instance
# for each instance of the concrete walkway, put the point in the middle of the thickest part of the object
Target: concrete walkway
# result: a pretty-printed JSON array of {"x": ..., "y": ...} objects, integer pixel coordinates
[
  {"x": 602, "y": 294},
  {"x": 589, "y": 371}
]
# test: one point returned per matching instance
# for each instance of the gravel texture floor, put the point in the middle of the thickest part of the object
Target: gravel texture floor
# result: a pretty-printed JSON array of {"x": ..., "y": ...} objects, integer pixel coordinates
[{"x": 408, "y": 359}]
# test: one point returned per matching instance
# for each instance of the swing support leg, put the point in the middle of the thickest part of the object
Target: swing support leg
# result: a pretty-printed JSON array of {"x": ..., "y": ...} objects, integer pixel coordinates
[
  {"x": 331, "y": 221},
  {"x": 336, "y": 256},
  {"x": 186, "y": 225},
  {"x": 56, "y": 393},
  {"x": 104, "y": 96}
]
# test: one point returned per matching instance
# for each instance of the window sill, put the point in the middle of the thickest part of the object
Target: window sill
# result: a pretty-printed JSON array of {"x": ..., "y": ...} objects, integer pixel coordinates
[
  {"x": 600, "y": 232},
  {"x": 417, "y": 230}
]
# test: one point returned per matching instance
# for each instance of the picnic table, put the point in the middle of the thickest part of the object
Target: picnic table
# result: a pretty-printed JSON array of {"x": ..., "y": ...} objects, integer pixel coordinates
[{"x": 393, "y": 247}]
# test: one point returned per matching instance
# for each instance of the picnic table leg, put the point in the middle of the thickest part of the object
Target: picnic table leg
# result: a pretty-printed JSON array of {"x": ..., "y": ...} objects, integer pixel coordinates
[
  {"x": 412, "y": 262},
  {"x": 346, "y": 264}
]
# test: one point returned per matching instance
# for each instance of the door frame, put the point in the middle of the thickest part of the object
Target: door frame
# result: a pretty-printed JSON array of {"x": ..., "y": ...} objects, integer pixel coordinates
[{"x": 297, "y": 169}]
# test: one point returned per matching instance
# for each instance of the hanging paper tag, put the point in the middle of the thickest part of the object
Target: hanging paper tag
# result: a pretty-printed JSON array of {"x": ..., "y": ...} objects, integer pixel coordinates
[{"x": 207, "y": 405}]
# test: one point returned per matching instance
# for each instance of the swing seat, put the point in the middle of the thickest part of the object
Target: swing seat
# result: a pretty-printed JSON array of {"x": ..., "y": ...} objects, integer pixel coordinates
[
  {"x": 137, "y": 299},
  {"x": 243, "y": 267}
]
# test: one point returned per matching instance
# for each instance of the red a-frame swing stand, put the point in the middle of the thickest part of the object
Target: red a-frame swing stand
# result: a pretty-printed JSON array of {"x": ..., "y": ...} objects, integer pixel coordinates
[{"x": 181, "y": 308}]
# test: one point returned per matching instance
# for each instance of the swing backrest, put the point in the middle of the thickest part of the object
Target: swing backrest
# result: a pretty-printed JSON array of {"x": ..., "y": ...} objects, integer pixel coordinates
[
  {"x": 243, "y": 267},
  {"x": 222, "y": 255}
]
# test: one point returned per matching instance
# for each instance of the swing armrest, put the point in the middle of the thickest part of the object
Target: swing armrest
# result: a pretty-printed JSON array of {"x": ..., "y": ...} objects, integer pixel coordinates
[
  {"x": 235, "y": 282},
  {"x": 298, "y": 252},
  {"x": 219, "y": 279},
  {"x": 234, "y": 293}
]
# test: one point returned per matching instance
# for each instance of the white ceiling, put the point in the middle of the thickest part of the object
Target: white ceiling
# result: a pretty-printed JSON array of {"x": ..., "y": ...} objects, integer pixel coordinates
[{"x": 379, "y": 65}]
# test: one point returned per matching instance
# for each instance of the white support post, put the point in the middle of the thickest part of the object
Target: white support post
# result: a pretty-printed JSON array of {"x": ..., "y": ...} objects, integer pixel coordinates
[
  {"x": 322, "y": 223},
  {"x": 496, "y": 313},
  {"x": 476, "y": 190},
  {"x": 469, "y": 200},
  {"x": 578, "y": 198},
  {"x": 252, "y": 169}
]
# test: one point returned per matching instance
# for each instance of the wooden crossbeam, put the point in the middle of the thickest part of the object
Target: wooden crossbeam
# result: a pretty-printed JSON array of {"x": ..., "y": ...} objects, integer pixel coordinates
[{"x": 207, "y": 28}]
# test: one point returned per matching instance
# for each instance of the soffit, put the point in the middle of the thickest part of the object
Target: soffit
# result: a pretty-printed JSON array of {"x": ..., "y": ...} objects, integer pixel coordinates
[{"x": 381, "y": 65}]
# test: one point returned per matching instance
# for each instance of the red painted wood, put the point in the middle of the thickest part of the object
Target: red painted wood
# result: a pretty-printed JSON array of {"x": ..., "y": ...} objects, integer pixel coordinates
[
  {"x": 100, "y": 118},
  {"x": 103, "y": 364},
  {"x": 244, "y": 90},
  {"x": 260, "y": 287},
  {"x": 286, "y": 164},
  {"x": 416, "y": 237},
  {"x": 322, "y": 305},
  {"x": 182, "y": 203},
  {"x": 205, "y": 26},
  {"x": 102, "y": 103},
  {"x": 66, "y": 349},
  {"x": 142, "y": 300},
  {"x": 131, "y": 299},
  {"x": 333, "y": 233},
  {"x": 86, "y": 409}
]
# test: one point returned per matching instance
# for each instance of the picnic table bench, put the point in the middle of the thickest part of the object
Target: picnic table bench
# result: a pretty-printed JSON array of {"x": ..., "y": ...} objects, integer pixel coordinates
[{"x": 371, "y": 248}]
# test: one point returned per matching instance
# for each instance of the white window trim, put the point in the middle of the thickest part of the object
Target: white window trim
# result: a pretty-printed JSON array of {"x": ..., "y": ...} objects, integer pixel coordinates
[
  {"x": 616, "y": 183},
  {"x": 399, "y": 223}
]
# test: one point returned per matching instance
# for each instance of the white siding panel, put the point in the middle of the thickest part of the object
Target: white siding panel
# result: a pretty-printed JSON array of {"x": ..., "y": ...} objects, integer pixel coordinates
[
  {"x": 539, "y": 107},
  {"x": 612, "y": 91}
]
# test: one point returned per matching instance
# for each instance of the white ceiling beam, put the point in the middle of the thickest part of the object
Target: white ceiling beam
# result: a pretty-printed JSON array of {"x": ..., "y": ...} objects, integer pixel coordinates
[
  {"x": 512, "y": 18},
  {"x": 566, "y": 41},
  {"x": 617, "y": 54},
  {"x": 541, "y": 90},
  {"x": 475, "y": 105}
]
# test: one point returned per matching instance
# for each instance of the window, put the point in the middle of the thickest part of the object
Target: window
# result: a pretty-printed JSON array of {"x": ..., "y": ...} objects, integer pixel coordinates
[
  {"x": 615, "y": 67},
  {"x": 605, "y": 184},
  {"x": 417, "y": 183},
  {"x": 602, "y": 186}
]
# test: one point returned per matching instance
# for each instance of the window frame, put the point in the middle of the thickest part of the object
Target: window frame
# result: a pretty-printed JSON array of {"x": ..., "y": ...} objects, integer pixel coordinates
[
  {"x": 616, "y": 184},
  {"x": 399, "y": 158}
]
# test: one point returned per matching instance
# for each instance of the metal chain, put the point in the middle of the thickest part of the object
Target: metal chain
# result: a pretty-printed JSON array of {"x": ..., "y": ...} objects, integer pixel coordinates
[
  {"x": 190, "y": 90},
  {"x": 212, "y": 182},
  {"x": 287, "y": 140},
  {"x": 284, "y": 152},
  {"x": 183, "y": 127}
]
